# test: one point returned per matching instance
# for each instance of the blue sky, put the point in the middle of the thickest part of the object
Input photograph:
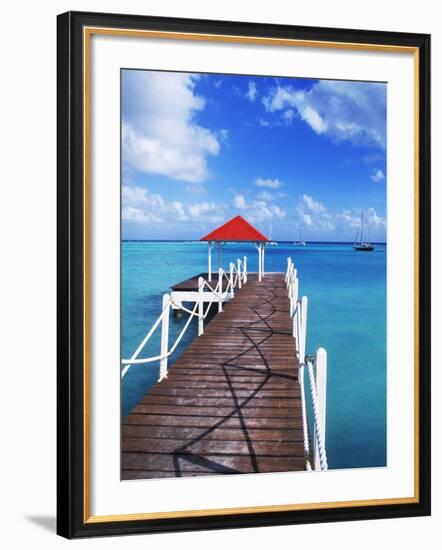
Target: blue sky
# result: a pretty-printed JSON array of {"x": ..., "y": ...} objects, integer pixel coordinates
[{"x": 282, "y": 152}]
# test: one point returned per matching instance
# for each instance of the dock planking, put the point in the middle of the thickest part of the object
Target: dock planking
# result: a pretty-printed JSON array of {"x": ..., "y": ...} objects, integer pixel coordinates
[{"x": 231, "y": 402}]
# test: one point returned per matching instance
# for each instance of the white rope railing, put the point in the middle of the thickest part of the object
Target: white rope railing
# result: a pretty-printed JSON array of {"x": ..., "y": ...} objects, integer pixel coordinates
[
  {"x": 217, "y": 293},
  {"x": 317, "y": 383},
  {"x": 320, "y": 444}
]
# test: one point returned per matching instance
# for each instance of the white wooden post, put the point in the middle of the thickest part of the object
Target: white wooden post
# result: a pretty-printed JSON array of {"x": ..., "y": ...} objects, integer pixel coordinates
[
  {"x": 295, "y": 310},
  {"x": 220, "y": 289},
  {"x": 200, "y": 306},
  {"x": 321, "y": 390},
  {"x": 164, "y": 337},
  {"x": 303, "y": 336},
  {"x": 259, "y": 262},
  {"x": 245, "y": 268},
  {"x": 290, "y": 292},
  {"x": 287, "y": 273},
  {"x": 262, "y": 259},
  {"x": 209, "y": 260},
  {"x": 231, "y": 280},
  {"x": 238, "y": 267}
]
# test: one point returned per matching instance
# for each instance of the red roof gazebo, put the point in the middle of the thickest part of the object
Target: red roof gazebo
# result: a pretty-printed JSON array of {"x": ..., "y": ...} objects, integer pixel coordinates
[{"x": 236, "y": 230}]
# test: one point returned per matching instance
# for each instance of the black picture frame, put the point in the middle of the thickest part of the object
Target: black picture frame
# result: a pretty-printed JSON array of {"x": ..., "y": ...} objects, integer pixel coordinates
[{"x": 72, "y": 520}]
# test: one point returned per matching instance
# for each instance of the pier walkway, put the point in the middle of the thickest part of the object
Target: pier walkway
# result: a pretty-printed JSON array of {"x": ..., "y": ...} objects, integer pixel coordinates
[{"x": 231, "y": 403}]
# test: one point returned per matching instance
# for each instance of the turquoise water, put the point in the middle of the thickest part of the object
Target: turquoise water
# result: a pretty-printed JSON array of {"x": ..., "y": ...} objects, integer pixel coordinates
[{"x": 347, "y": 316}]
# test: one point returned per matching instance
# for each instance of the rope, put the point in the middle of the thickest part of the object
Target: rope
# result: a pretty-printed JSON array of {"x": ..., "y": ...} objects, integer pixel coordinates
[
  {"x": 318, "y": 427},
  {"x": 304, "y": 415}
]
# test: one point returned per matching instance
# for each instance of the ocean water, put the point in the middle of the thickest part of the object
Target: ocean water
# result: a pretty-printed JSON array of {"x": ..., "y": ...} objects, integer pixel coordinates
[{"x": 346, "y": 315}]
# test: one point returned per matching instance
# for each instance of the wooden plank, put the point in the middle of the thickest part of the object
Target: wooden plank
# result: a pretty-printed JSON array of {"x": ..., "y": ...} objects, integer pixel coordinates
[
  {"x": 223, "y": 392},
  {"x": 216, "y": 464},
  {"x": 204, "y": 421},
  {"x": 248, "y": 411},
  {"x": 229, "y": 403},
  {"x": 213, "y": 447},
  {"x": 221, "y": 434}
]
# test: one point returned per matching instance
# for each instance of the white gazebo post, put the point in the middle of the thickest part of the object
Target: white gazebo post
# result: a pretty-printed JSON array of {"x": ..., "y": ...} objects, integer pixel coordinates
[
  {"x": 209, "y": 259},
  {"x": 262, "y": 258},
  {"x": 219, "y": 254},
  {"x": 258, "y": 246}
]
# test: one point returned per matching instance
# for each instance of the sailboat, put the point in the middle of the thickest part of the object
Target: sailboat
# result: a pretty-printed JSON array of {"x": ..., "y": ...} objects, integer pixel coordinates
[
  {"x": 273, "y": 243},
  {"x": 299, "y": 242},
  {"x": 360, "y": 245}
]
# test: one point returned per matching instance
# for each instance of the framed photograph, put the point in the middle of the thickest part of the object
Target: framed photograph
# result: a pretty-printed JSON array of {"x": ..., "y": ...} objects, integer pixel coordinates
[{"x": 243, "y": 274}]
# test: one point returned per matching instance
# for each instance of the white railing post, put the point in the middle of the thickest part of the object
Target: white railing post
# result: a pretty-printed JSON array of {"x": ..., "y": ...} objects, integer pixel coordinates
[
  {"x": 288, "y": 270},
  {"x": 303, "y": 335},
  {"x": 231, "y": 280},
  {"x": 321, "y": 390},
  {"x": 220, "y": 289},
  {"x": 291, "y": 305},
  {"x": 209, "y": 260},
  {"x": 164, "y": 337},
  {"x": 238, "y": 263},
  {"x": 200, "y": 306},
  {"x": 296, "y": 306},
  {"x": 263, "y": 260},
  {"x": 292, "y": 292},
  {"x": 245, "y": 268}
]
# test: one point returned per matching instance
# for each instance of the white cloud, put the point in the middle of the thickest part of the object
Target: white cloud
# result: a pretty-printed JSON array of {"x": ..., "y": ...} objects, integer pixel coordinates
[
  {"x": 139, "y": 205},
  {"x": 266, "y": 182},
  {"x": 377, "y": 175},
  {"x": 374, "y": 219},
  {"x": 207, "y": 212},
  {"x": 224, "y": 134},
  {"x": 288, "y": 115},
  {"x": 265, "y": 196},
  {"x": 314, "y": 214},
  {"x": 352, "y": 218},
  {"x": 349, "y": 219},
  {"x": 139, "y": 215},
  {"x": 263, "y": 122},
  {"x": 239, "y": 202},
  {"x": 159, "y": 132},
  {"x": 305, "y": 219},
  {"x": 343, "y": 111},
  {"x": 258, "y": 210},
  {"x": 252, "y": 91},
  {"x": 313, "y": 205}
]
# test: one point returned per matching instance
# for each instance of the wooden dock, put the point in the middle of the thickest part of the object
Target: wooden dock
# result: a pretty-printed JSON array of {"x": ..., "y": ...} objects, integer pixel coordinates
[{"x": 231, "y": 402}]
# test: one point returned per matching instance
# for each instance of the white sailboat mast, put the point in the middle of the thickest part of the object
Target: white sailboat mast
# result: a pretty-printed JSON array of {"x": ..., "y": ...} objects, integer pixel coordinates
[{"x": 362, "y": 226}]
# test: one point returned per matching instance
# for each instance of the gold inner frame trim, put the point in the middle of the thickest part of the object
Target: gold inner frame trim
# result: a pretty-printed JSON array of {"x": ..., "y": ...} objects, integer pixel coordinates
[{"x": 87, "y": 34}]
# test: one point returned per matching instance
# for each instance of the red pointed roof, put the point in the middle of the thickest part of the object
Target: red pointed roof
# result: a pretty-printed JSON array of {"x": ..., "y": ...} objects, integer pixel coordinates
[{"x": 237, "y": 229}]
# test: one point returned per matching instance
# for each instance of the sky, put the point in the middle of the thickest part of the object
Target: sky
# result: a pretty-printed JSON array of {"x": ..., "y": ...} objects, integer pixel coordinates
[{"x": 285, "y": 153}]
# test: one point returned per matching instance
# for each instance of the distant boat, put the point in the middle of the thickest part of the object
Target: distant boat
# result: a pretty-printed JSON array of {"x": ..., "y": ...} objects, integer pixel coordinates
[
  {"x": 299, "y": 242},
  {"x": 272, "y": 243},
  {"x": 360, "y": 245}
]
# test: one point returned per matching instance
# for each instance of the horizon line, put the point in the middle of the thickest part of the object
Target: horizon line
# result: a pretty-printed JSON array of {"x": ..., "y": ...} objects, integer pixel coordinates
[{"x": 236, "y": 242}]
